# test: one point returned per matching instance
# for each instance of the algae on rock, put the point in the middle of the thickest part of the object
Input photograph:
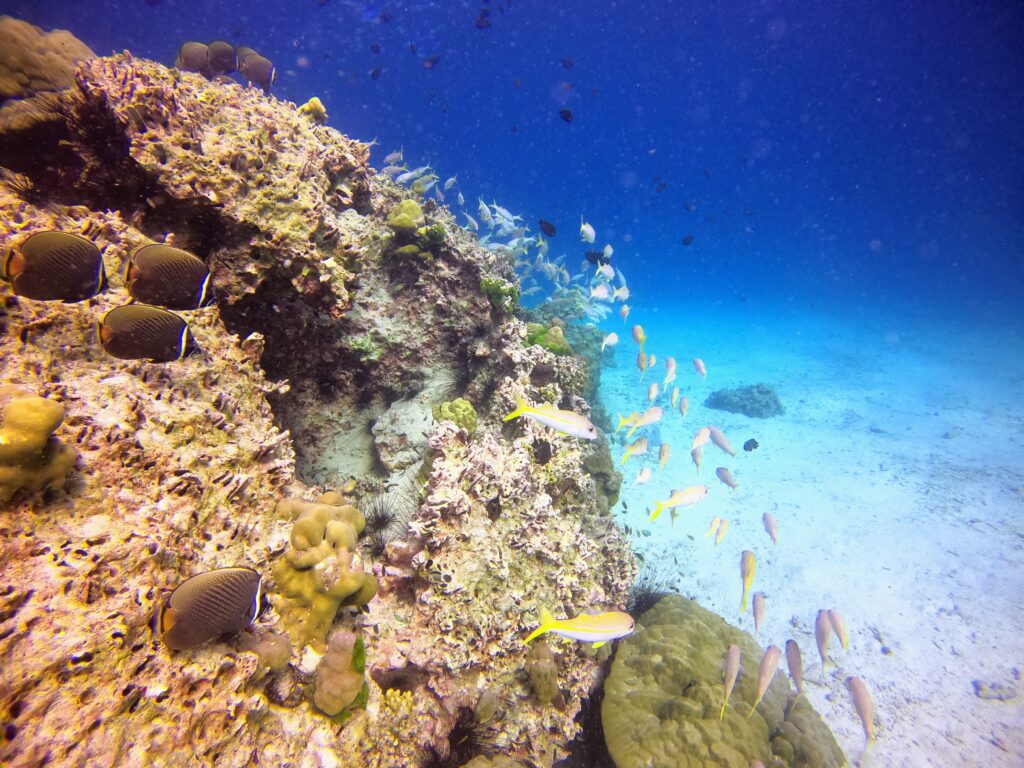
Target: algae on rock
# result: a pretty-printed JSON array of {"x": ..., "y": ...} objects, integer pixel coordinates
[{"x": 663, "y": 695}]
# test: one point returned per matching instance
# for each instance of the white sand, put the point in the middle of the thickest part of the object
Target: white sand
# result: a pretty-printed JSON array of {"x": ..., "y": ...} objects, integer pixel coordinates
[{"x": 897, "y": 477}]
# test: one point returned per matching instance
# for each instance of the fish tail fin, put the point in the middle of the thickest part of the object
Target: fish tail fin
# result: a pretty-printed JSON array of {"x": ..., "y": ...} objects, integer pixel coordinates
[
  {"x": 658, "y": 506},
  {"x": 624, "y": 457},
  {"x": 546, "y": 622},
  {"x": 598, "y": 644},
  {"x": 521, "y": 407},
  {"x": 743, "y": 601},
  {"x": 721, "y": 712},
  {"x": 632, "y": 430}
]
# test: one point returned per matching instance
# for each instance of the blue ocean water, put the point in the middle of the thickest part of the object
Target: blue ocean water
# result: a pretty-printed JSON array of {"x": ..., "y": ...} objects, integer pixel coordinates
[
  {"x": 850, "y": 174},
  {"x": 865, "y": 153}
]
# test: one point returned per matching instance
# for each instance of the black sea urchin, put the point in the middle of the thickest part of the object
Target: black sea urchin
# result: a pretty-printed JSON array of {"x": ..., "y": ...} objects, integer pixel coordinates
[{"x": 650, "y": 586}]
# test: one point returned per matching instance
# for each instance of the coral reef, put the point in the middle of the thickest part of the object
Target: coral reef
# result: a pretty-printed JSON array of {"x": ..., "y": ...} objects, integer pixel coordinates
[
  {"x": 30, "y": 459},
  {"x": 543, "y": 672},
  {"x": 314, "y": 110},
  {"x": 339, "y": 682},
  {"x": 321, "y": 570},
  {"x": 662, "y": 700},
  {"x": 460, "y": 412},
  {"x": 758, "y": 401},
  {"x": 181, "y": 465}
]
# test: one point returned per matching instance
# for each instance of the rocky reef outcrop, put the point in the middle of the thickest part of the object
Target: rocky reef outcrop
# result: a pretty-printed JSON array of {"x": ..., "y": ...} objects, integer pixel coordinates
[{"x": 320, "y": 362}]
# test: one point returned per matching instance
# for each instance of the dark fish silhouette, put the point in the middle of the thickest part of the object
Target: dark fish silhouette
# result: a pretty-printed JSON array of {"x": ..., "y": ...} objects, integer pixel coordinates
[
  {"x": 222, "y": 57},
  {"x": 168, "y": 277},
  {"x": 483, "y": 21},
  {"x": 547, "y": 227},
  {"x": 55, "y": 266},
  {"x": 258, "y": 70},
  {"x": 597, "y": 258},
  {"x": 568, "y": 63},
  {"x": 193, "y": 57},
  {"x": 142, "y": 332},
  {"x": 750, "y": 445},
  {"x": 688, "y": 239},
  {"x": 385, "y": 16},
  {"x": 209, "y": 605},
  {"x": 374, "y": 47},
  {"x": 375, "y": 73},
  {"x": 660, "y": 188},
  {"x": 565, "y": 114},
  {"x": 431, "y": 62}
]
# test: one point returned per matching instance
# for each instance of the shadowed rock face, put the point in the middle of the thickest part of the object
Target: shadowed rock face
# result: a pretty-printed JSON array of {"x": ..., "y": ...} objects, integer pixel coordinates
[{"x": 758, "y": 401}]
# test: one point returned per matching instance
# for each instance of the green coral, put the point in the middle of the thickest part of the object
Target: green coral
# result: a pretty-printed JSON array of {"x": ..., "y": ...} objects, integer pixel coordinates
[
  {"x": 664, "y": 693},
  {"x": 407, "y": 250},
  {"x": 340, "y": 680},
  {"x": 502, "y": 294},
  {"x": 30, "y": 458},
  {"x": 314, "y": 110},
  {"x": 459, "y": 411},
  {"x": 321, "y": 570},
  {"x": 433, "y": 235},
  {"x": 543, "y": 673},
  {"x": 406, "y": 217},
  {"x": 551, "y": 338},
  {"x": 366, "y": 348}
]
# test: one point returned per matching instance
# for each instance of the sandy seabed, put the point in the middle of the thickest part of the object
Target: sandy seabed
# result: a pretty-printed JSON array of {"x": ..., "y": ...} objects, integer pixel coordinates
[{"x": 897, "y": 478}]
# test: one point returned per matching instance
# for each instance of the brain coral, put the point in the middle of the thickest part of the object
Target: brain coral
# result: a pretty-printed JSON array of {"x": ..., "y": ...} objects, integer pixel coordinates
[{"x": 664, "y": 692}]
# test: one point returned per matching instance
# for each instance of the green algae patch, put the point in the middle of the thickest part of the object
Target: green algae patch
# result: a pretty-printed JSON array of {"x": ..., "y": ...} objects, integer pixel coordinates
[
  {"x": 405, "y": 218},
  {"x": 550, "y": 338},
  {"x": 663, "y": 696},
  {"x": 460, "y": 412},
  {"x": 502, "y": 294}
]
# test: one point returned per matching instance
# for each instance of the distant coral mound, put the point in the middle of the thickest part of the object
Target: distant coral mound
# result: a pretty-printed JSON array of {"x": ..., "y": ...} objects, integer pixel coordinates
[
  {"x": 758, "y": 401},
  {"x": 33, "y": 61}
]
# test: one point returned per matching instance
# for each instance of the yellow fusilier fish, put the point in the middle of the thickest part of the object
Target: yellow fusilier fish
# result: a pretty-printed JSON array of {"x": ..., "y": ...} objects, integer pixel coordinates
[
  {"x": 642, "y": 477},
  {"x": 732, "y": 671},
  {"x": 722, "y": 530},
  {"x": 765, "y": 673},
  {"x": 719, "y": 439},
  {"x": 699, "y": 367},
  {"x": 684, "y": 498},
  {"x": 822, "y": 634},
  {"x": 864, "y": 705},
  {"x": 795, "y": 663},
  {"x": 684, "y": 405},
  {"x": 648, "y": 417},
  {"x": 670, "y": 375},
  {"x": 771, "y": 526},
  {"x": 624, "y": 312},
  {"x": 840, "y": 627},
  {"x": 748, "y": 567},
  {"x": 641, "y": 363},
  {"x": 716, "y": 521},
  {"x": 675, "y": 396},
  {"x": 726, "y": 477},
  {"x": 758, "y": 611},
  {"x": 626, "y": 421},
  {"x": 701, "y": 438},
  {"x": 652, "y": 392},
  {"x": 566, "y": 422},
  {"x": 639, "y": 336},
  {"x": 696, "y": 454},
  {"x": 663, "y": 454},
  {"x": 596, "y": 628},
  {"x": 652, "y": 359},
  {"x": 638, "y": 446}
]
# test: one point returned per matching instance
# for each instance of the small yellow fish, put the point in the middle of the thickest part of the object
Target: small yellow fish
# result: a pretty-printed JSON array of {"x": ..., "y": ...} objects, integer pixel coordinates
[
  {"x": 719, "y": 439},
  {"x": 626, "y": 421},
  {"x": 642, "y": 477},
  {"x": 566, "y": 422},
  {"x": 722, "y": 530},
  {"x": 771, "y": 526},
  {"x": 765, "y": 673},
  {"x": 822, "y": 634},
  {"x": 675, "y": 396},
  {"x": 596, "y": 628},
  {"x": 638, "y": 446},
  {"x": 701, "y": 438},
  {"x": 732, "y": 671},
  {"x": 748, "y": 567},
  {"x": 864, "y": 705},
  {"x": 610, "y": 340},
  {"x": 652, "y": 360},
  {"x": 670, "y": 375},
  {"x": 652, "y": 392},
  {"x": 624, "y": 312},
  {"x": 758, "y": 610},
  {"x": 639, "y": 336},
  {"x": 699, "y": 367},
  {"x": 796, "y": 665},
  {"x": 684, "y": 405},
  {"x": 641, "y": 363},
  {"x": 840, "y": 627},
  {"x": 663, "y": 454},
  {"x": 696, "y": 454},
  {"x": 715, "y": 522},
  {"x": 684, "y": 498},
  {"x": 648, "y": 417},
  {"x": 587, "y": 233}
]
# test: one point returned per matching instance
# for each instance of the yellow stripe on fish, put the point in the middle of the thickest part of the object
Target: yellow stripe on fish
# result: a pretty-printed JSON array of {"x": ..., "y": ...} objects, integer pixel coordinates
[
  {"x": 566, "y": 422},
  {"x": 596, "y": 628}
]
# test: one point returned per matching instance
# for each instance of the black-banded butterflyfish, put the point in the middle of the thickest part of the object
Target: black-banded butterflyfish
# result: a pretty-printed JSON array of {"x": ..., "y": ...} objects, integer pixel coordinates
[
  {"x": 208, "y": 605},
  {"x": 143, "y": 332},
  {"x": 55, "y": 266},
  {"x": 168, "y": 277}
]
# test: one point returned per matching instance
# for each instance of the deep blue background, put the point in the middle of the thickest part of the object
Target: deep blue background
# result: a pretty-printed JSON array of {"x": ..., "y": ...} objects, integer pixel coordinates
[{"x": 859, "y": 153}]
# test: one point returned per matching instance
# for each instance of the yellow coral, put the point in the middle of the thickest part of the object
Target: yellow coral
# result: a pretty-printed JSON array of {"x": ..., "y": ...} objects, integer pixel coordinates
[
  {"x": 32, "y": 60},
  {"x": 314, "y": 110},
  {"x": 321, "y": 571},
  {"x": 30, "y": 459}
]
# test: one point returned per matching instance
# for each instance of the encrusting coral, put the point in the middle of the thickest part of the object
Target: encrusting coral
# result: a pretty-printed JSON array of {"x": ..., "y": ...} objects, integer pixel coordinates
[
  {"x": 460, "y": 412},
  {"x": 321, "y": 570},
  {"x": 543, "y": 672},
  {"x": 30, "y": 459}
]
